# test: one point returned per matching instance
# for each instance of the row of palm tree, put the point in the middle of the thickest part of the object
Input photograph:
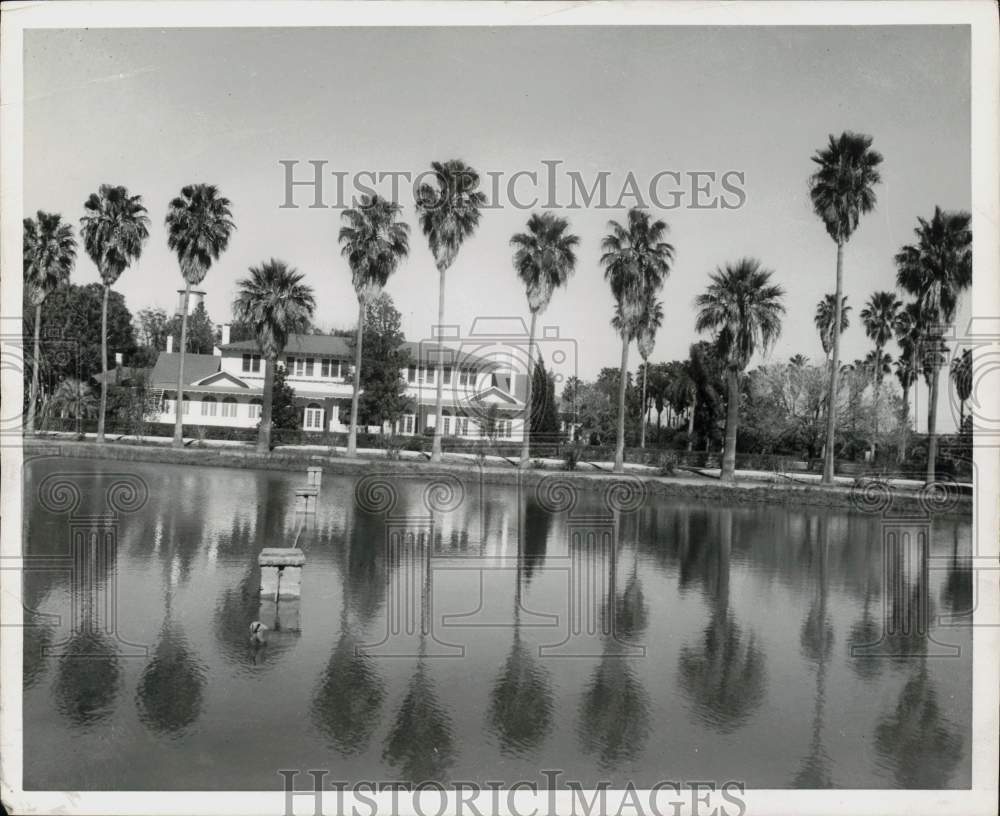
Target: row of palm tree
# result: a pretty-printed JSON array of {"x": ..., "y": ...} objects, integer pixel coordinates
[{"x": 741, "y": 307}]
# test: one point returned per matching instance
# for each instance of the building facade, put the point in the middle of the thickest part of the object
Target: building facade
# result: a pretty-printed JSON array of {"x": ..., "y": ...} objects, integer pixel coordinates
[{"x": 482, "y": 397}]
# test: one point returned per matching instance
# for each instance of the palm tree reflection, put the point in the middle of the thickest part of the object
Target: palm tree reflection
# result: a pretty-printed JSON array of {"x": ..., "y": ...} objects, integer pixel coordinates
[
  {"x": 521, "y": 700},
  {"x": 88, "y": 677},
  {"x": 420, "y": 744},
  {"x": 615, "y": 711},
  {"x": 725, "y": 677},
  {"x": 172, "y": 684},
  {"x": 348, "y": 703}
]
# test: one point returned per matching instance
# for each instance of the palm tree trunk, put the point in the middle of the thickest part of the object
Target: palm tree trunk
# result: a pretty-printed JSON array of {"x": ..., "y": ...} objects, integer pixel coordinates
[
  {"x": 905, "y": 430},
  {"x": 352, "y": 434},
  {"x": 33, "y": 398},
  {"x": 104, "y": 365},
  {"x": 438, "y": 424},
  {"x": 732, "y": 419},
  {"x": 620, "y": 442},
  {"x": 526, "y": 435},
  {"x": 642, "y": 431},
  {"x": 267, "y": 400},
  {"x": 831, "y": 411},
  {"x": 691, "y": 410},
  {"x": 179, "y": 413},
  {"x": 875, "y": 389},
  {"x": 932, "y": 426}
]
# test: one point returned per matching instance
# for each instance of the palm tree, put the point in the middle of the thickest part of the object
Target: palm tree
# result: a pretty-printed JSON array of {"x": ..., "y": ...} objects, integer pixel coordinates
[
  {"x": 636, "y": 262},
  {"x": 113, "y": 230},
  {"x": 72, "y": 399},
  {"x": 49, "y": 256},
  {"x": 683, "y": 395},
  {"x": 961, "y": 376},
  {"x": 274, "y": 303},
  {"x": 936, "y": 270},
  {"x": 908, "y": 330},
  {"x": 199, "y": 224},
  {"x": 374, "y": 241},
  {"x": 650, "y": 320},
  {"x": 544, "y": 258},
  {"x": 826, "y": 315},
  {"x": 842, "y": 190},
  {"x": 879, "y": 317},
  {"x": 743, "y": 308},
  {"x": 449, "y": 213}
]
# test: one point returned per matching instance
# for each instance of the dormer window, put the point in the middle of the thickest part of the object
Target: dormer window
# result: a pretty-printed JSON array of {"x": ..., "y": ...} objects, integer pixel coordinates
[{"x": 251, "y": 363}]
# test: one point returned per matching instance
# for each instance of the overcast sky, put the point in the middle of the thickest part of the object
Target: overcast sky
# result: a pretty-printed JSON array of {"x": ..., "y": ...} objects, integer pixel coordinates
[{"x": 154, "y": 110}]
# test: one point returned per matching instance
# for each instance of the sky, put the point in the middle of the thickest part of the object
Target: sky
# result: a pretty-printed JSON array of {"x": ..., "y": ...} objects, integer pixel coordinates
[{"x": 156, "y": 109}]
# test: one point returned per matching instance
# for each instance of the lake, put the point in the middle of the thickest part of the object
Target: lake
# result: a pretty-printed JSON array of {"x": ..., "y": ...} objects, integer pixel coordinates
[{"x": 453, "y": 630}]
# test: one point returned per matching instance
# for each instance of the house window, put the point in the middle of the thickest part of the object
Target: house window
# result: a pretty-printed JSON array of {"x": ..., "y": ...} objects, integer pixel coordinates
[
  {"x": 169, "y": 406},
  {"x": 411, "y": 374},
  {"x": 208, "y": 406},
  {"x": 313, "y": 420},
  {"x": 447, "y": 426},
  {"x": 446, "y": 375},
  {"x": 461, "y": 426},
  {"x": 251, "y": 363},
  {"x": 430, "y": 374},
  {"x": 229, "y": 407},
  {"x": 408, "y": 423},
  {"x": 255, "y": 408},
  {"x": 187, "y": 405},
  {"x": 464, "y": 376},
  {"x": 310, "y": 367}
]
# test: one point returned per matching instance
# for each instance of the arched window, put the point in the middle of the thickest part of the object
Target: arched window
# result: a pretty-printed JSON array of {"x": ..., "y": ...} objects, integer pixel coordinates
[
  {"x": 255, "y": 404},
  {"x": 229, "y": 407},
  {"x": 209, "y": 404},
  {"x": 313, "y": 419}
]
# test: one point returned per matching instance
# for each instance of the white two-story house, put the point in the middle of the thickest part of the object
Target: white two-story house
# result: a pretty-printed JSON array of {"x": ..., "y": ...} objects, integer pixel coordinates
[{"x": 225, "y": 388}]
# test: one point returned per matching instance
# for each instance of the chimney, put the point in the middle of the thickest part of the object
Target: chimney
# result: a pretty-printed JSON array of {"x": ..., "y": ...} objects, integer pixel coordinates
[
  {"x": 170, "y": 344},
  {"x": 225, "y": 334}
]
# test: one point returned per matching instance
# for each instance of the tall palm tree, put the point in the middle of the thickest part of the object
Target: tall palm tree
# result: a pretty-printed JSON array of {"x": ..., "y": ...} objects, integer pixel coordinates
[
  {"x": 199, "y": 224},
  {"x": 908, "y": 330},
  {"x": 743, "y": 308},
  {"x": 544, "y": 258},
  {"x": 683, "y": 394},
  {"x": 842, "y": 190},
  {"x": 936, "y": 270},
  {"x": 649, "y": 322},
  {"x": 636, "y": 261},
  {"x": 879, "y": 317},
  {"x": 961, "y": 376},
  {"x": 113, "y": 230},
  {"x": 374, "y": 241},
  {"x": 49, "y": 256},
  {"x": 449, "y": 213},
  {"x": 274, "y": 303}
]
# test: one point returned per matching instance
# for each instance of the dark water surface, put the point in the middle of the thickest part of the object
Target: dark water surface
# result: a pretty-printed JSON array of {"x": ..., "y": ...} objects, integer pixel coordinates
[{"x": 467, "y": 633}]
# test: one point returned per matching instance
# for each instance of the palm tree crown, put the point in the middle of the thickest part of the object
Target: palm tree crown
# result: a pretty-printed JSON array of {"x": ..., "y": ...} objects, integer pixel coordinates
[
  {"x": 544, "y": 257},
  {"x": 879, "y": 317},
  {"x": 274, "y": 303},
  {"x": 744, "y": 310},
  {"x": 825, "y": 317},
  {"x": 373, "y": 241},
  {"x": 938, "y": 267},
  {"x": 449, "y": 211},
  {"x": 636, "y": 261},
  {"x": 199, "y": 224},
  {"x": 961, "y": 374},
  {"x": 113, "y": 230},
  {"x": 842, "y": 188},
  {"x": 49, "y": 255}
]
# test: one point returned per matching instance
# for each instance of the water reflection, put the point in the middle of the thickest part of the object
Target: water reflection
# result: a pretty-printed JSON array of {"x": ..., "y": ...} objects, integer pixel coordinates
[
  {"x": 614, "y": 713},
  {"x": 88, "y": 678},
  {"x": 171, "y": 687},
  {"x": 521, "y": 699},
  {"x": 724, "y": 676},
  {"x": 348, "y": 703}
]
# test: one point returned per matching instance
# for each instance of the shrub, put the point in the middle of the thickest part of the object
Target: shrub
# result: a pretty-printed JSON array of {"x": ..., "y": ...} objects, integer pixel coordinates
[
  {"x": 668, "y": 463},
  {"x": 572, "y": 457},
  {"x": 537, "y": 464},
  {"x": 414, "y": 443}
]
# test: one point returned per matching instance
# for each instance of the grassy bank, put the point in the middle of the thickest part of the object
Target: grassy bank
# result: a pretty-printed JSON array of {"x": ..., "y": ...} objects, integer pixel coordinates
[{"x": 687, "y": 486}]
